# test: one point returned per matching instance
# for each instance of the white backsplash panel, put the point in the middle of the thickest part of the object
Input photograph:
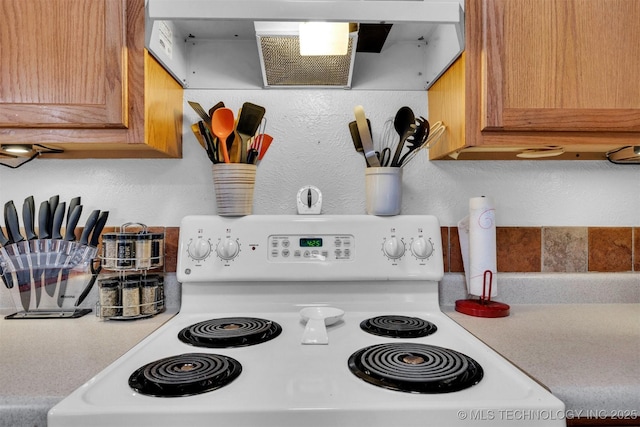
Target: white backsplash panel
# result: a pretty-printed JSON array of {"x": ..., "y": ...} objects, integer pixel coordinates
[{"x": 312, "y": 146}]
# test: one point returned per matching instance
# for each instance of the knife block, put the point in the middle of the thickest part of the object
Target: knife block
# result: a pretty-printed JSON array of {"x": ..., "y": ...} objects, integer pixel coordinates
[{"x": 47, "y": 276}]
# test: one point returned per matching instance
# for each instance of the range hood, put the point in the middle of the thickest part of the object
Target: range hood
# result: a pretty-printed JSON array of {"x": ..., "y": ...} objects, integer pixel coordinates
[{"x": 216, "y": 44}]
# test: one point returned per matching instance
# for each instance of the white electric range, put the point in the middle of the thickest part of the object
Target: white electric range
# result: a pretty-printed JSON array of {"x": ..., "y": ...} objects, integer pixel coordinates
[{"x": 234, "y": 355}]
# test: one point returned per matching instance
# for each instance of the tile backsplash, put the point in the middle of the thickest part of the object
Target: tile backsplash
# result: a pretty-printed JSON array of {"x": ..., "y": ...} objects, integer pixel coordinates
[
  {"x": 527, "y": 249},
  {"x": 556, "y": 249}
]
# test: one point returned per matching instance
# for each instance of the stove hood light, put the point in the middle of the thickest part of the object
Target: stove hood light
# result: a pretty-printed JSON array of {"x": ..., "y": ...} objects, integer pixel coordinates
[
  {"x": 625, "y": 155},
  {"x": 17, "y": 148},
  {"x": 324, "y": 38}
]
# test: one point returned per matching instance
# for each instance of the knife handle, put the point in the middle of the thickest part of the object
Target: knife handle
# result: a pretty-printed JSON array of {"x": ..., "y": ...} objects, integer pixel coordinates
[
  {"x": 72, "y": 205},
  {"x": 3, "y": 239},
  {"x": 58, "y": 216},
  {"x": 95, "y": 236},
  {"x": 27, "y": 218},
  {"x": 88, "y": 227},
  {"x": 11, "y": 219},
  {"x": 72, "y": 221},
  {"x": 43, "y": 221}
]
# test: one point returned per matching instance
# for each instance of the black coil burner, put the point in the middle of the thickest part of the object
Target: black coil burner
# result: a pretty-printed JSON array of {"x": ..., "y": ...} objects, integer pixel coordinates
[
  {"x": 415, "y": 368},
  {"x": 398, "y": 327},
  {"x": 230, "y": 332},
  {"x": 185, "y": 375}
]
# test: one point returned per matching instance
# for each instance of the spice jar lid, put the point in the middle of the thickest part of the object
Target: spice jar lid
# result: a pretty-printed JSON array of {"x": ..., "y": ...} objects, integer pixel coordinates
[{"x": 109, "y": 283}]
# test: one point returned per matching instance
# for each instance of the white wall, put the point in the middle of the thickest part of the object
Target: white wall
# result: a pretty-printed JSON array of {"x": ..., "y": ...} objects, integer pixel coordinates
[{"x": 313, "y": 146}]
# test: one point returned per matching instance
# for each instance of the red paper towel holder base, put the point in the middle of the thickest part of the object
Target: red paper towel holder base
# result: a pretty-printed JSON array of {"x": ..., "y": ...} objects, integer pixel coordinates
[{"x": 483, "y": 307}]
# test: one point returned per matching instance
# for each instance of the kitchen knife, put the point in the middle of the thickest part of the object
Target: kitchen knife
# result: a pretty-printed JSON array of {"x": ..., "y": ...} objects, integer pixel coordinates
[
  {"x": 22, "y": 274},
  {"x": 95, "y": 236},
  {"x": 28, "y": 212},
  {"x": 8, "y": 281},
  {"x": 53, "y": 205},
  {"x": 53, "y": 269},
  {"x": 69, "y": 236},
  {"x": 45, "y": 247}
]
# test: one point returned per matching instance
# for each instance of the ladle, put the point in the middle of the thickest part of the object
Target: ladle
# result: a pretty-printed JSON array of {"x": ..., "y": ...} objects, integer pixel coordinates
[
  {"x": 222, "y": 125},
  {"x": 317, "y": 318}
]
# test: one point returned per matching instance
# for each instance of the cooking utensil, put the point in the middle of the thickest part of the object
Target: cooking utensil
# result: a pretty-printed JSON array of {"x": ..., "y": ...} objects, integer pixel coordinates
[
  {"x": 248, "y": 123},
  {"x": 201, "y": 112},
  {"x": 210, "y": 145},
  {"x": 434, "y": 136},
  {"x": 365, "y": 137},
  {"x": 355, "y": 135},
  {"x": 317, "y": 319},
  {"x": 222, "y": 126},
  {"x": 199, "y": 137},
  {"x": 384, "y": 156},
  {"x": 265, "y": 141},
  {"x": 416, "y": 140},
  {"x": 220, "y": 104},
  {"x": 402, "y": 123}
]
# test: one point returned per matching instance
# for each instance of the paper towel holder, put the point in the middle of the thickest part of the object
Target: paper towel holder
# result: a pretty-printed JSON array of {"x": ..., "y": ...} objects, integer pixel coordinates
[{"x": 483, "y": 307}]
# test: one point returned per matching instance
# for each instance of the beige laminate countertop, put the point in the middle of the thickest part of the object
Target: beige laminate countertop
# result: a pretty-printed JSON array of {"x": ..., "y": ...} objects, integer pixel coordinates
[
  {"x": 588, "y": 355},
  {"x": 44, "y": 360}
]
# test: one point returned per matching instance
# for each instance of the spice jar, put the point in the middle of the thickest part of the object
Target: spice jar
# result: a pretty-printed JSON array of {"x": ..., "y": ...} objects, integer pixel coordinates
[
  {"x": 157, "y": 249},
  {"x": 143, "y": 250},
  {"x": 109, "y": 298},
  {"x": 149, "y": 295},
  {"x": 109, "y": 251},
  {"x": 130, "y": 297},
  {"x": 125, "y": 247}
]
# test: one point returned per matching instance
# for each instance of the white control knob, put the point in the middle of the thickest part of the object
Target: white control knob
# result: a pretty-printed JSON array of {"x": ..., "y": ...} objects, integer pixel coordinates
[
  {"x": 228, "y": 249},
  {"x": 421, "y": 248},
  {"x": 393, "y": 248},
  {"x": 199, "y": 249}
]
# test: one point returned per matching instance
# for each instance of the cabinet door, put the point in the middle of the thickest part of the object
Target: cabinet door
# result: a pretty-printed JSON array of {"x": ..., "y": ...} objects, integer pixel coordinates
[
  {"x": 63, "y": 64},
  {"x": 560, "y": 65}
]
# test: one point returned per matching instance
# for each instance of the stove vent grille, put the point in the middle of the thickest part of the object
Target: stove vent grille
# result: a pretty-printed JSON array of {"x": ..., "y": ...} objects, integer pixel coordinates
[{"x": 283, "y": 66}]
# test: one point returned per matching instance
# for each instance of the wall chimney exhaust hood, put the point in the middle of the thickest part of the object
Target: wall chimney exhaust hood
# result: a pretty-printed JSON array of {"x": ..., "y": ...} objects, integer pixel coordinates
[{"x": 218, "y": 44}]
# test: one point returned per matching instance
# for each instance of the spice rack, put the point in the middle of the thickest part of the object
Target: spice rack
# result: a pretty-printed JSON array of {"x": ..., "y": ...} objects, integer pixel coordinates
[{"x": 134, "y": 288}]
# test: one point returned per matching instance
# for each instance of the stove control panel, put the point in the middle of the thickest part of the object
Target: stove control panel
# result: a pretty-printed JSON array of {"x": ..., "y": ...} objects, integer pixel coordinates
[
  {"x": 324, "y": 247},
  {"x": 311, "y": 248}
]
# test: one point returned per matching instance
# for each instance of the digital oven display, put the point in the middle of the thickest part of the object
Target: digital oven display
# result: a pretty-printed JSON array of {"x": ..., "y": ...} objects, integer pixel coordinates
[{"x": 313, "y": 242}]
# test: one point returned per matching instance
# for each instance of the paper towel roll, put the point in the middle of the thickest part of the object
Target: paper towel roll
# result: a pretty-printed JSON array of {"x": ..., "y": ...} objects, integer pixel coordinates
[{"x": 477, "y": 233}]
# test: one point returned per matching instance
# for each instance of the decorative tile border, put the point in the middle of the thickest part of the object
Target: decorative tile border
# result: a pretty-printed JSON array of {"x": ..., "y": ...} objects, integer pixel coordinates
[
  {"x": 523, "y": 249},
  {"x": 556, "y": 249}
]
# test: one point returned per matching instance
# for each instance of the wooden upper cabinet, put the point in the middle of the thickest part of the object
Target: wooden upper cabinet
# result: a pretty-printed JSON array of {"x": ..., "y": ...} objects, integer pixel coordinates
[
  {"x": 64, "y": 63},
  {"x": 561, "y": 65},
  {"x": 547, "y": 75},
  {"x": 75, "y": 75}
]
